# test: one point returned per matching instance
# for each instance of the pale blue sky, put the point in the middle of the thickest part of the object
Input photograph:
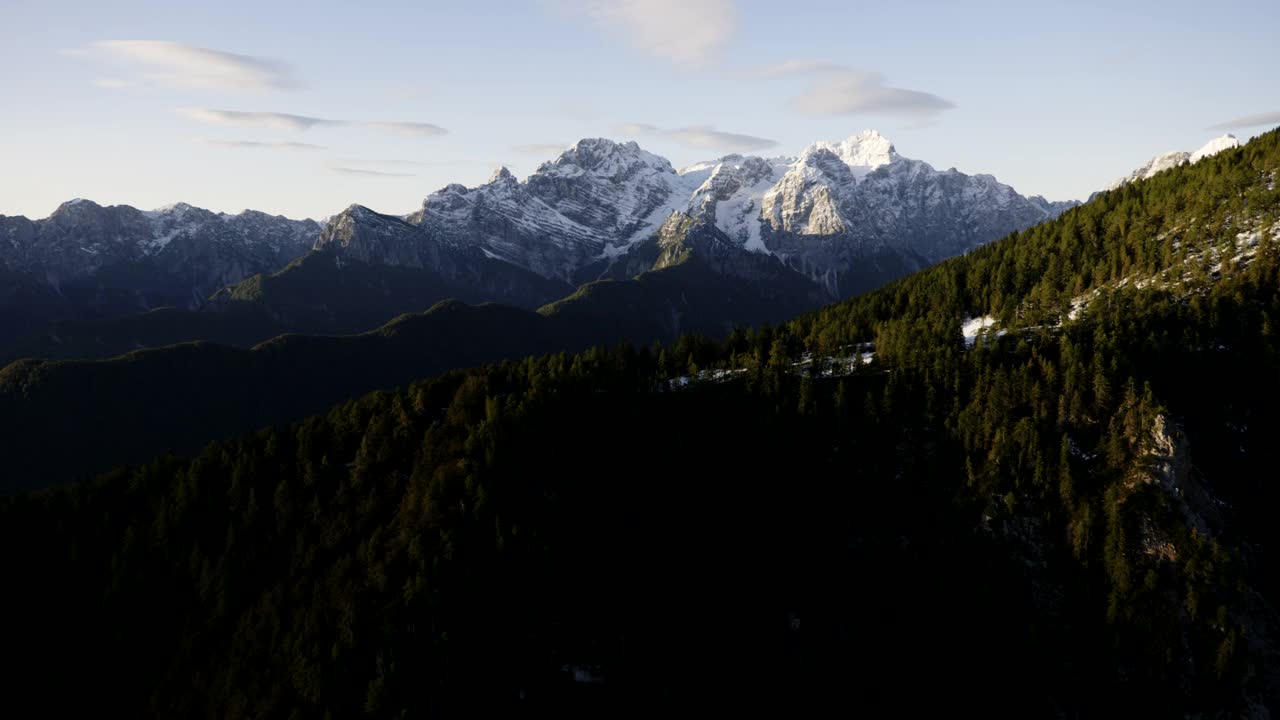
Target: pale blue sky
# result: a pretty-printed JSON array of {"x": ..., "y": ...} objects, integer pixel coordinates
[{"x": 1054, "y": 98}]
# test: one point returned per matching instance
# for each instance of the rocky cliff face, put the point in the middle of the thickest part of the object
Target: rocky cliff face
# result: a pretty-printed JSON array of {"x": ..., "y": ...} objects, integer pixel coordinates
[
  {"x": 689, "y": 276},
  {"x": 361, "y": 234},
  {"x": 851, "y": 226},
  {"x": 470, "y": 272},
  {"x": 597, "y": 194}
]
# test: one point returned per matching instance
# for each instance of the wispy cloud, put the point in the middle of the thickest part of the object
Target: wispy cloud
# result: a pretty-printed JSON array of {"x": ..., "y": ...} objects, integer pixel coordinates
[
  {"x": 838, "y": 90},
  {"x": 687, "y": 32},
  {"x": 268, "y": 120},
  {"x": 296, "y": 123},
  {"x": 699, "y": 136},
  {"x": 1248, "y": 121},
  {"x": 540, "y": 148},
  {"x": 266, "y": 145},
  {"x": 420, "y": 129},
  {"x": 177, "y": 65},
  {"x": 397, "y": 163},
  {"x": 369, "y": 173}
]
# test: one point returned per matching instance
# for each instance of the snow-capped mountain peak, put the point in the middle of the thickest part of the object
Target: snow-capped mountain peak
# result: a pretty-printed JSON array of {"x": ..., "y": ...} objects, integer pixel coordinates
[
  {"x": 75, "y": 207},
  {"x": 604, "y": 158},
  {"x": 862, "y": 152},
  {"x": 1165, "y": 161},
  {"x": 1152, "y": 167},
  {"x": 1215, "y": 146},
  {"x": 597, "y": 194}
]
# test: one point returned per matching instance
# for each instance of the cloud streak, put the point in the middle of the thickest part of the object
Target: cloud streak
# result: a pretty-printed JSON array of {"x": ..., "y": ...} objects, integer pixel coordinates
[
  {"x": 266, "y": 120},
  {"x": 177, "y": 65},
  {"x": 1248, "y": 121},
  {"x": 298, "y": 123},
  {"x": 699, "y": 136},
  {"x": 419, "y": 129},
  {"x": 686, "y": 32},
  {"x": 359, "y": 172},
  {"x": 266, "y": 145},
  {"x": 400, "y": 163},
  {"x": 839, "y": 90}
]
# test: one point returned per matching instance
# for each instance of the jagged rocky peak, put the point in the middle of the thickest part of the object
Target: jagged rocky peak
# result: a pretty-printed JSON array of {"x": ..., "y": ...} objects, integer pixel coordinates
[
  {"x": 177, "y": 208},
  {"x": 684, "y": 236},
  {"x": 181, "y": 212},
  {"x": 819, "y": 164},
  {"x": 76, "y": 204},
  {"x": 79, "y": 210},
  {"x": 677, "y": 226},
  {"x": 730, "y": 195},
  {"x": 94, "y": 232},
  {"x": 688, "y": 231},
  {"x": 349, "y": 215},
  {"x": 732, "y": 173},
  {"x": 371, "y": 237},
  {"x": 604, "y": 158},
  {"x": 807, "y": 200},
  {"x": 451, "y": 198},
  {"x": 355, "y": 217},
  {"x": 502, "y": 175},
  {"x": 259, "y": 216}
]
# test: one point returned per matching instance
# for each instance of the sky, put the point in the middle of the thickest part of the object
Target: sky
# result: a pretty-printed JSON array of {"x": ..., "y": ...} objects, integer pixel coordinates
[{"x": 304, "y": 108}]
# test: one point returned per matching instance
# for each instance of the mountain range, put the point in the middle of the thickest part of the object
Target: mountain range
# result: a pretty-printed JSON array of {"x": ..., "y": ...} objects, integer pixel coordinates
[
  {"x": 186, "y": 252},
  {"x": 847, "y": 215},
  {"x": 790, "y": 233}
]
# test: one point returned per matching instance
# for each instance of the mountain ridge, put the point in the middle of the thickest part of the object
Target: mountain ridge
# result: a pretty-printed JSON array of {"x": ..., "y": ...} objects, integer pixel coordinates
[
  {"x": 847, "y": 216},
  {"x": 825, "y": 212}
]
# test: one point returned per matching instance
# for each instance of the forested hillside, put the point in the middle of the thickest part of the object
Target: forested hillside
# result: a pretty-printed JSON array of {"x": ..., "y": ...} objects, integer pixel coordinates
[
  {"x": 1067, "y": 515},
  {"x": 179, "y": 398},
  {"x": 315, "y": 294}
]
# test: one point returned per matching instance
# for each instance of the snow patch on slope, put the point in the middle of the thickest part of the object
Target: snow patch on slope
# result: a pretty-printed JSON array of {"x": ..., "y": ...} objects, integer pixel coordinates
[{"x": 971, "y": 328}]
